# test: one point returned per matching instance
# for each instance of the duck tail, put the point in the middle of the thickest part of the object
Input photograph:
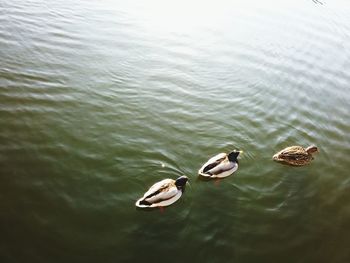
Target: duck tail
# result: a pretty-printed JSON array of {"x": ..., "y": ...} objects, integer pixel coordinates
[{"x": 144, "y": 202}]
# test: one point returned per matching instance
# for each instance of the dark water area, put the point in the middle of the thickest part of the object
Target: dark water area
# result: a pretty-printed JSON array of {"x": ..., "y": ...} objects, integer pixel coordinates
[{"x": 101, "y": 99}]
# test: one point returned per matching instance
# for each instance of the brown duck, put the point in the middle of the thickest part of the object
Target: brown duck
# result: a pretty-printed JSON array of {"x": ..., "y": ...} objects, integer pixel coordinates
[{"x": 296, "y": 155}]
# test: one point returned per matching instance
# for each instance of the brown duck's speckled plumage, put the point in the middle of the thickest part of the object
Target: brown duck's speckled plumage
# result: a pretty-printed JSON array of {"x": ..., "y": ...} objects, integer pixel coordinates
[{"x": 294, "y": 155}]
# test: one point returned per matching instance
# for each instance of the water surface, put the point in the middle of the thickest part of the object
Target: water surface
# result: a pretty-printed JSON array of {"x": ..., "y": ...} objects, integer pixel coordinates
[{"x": 101, "y": 99}]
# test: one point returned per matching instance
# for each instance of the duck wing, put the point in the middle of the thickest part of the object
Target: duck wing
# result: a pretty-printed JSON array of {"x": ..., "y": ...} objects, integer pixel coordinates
[
  {"x": 158, "y": 187},
  {"x": 222, "y": 167},
  {"x": 213, "y": 165},
  {"x": 163, "y": 195},
  {"x": 212, "y": 162},
  {"x": 293, "y": 153}
]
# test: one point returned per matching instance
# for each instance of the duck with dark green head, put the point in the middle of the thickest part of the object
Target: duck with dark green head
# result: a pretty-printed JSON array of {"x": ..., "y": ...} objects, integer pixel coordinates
[
  {"x": 220, "y": 166},
  {"x": 163, "y": 193}
]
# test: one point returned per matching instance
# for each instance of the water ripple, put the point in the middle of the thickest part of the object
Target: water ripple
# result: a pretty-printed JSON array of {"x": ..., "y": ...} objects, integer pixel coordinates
[{"x": 99, "y": 100}]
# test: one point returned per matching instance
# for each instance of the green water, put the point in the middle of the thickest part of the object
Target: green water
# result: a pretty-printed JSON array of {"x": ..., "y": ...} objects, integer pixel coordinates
[{"x": 101, "y": 99}]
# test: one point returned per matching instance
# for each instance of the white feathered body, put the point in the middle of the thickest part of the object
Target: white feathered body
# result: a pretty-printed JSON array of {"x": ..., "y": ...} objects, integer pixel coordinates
[
  {"x": 218, "y": 166},
  {"x": 162, "y": 193}
]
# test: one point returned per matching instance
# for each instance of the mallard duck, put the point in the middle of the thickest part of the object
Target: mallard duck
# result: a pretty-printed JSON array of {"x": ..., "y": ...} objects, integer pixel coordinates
[
  {"x": 163, "y": 193},
  {"x": 296, "y": 155},
  {"x": 220, "y": 166}
]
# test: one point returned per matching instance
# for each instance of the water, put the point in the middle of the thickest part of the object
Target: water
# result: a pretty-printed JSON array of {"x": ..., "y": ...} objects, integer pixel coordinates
[{"x": 101, "y": 99}]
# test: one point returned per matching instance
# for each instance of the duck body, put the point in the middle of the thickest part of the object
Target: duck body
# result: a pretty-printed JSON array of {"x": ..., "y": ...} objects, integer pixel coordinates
[
  {"x": 220, "y": 166},
  {"x": 163, "y": 193},
  {"x": 296, "y": 155}
]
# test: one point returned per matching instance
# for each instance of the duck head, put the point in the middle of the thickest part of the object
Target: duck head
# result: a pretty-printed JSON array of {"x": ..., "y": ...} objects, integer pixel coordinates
[
  {"x": 181, "y": 182},
  {"x": 232, "y": 156},
  {"x": 311, "y": 149}
]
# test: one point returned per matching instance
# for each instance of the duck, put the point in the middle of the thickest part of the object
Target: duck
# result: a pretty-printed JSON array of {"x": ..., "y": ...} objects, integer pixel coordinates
[
  {"x": 163, "y": 193},
  {"x": 296, "y": 155},
  {"x": 220, "y": 166}
]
